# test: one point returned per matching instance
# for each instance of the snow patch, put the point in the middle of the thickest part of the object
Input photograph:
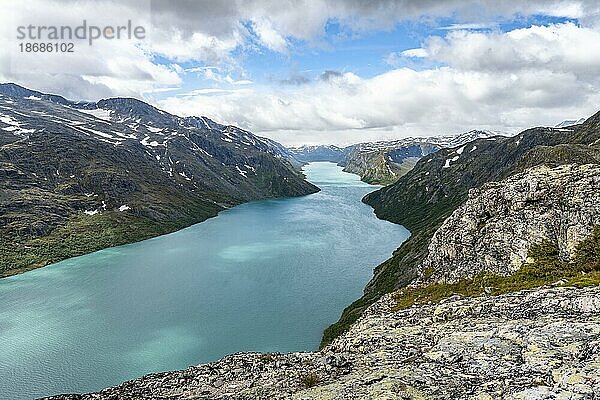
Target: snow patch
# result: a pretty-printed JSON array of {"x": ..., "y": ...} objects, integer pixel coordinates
[
  {"x": 183, "y": 174},
  {"x": 562, "y": 130},
  {"x": 124, "y": 207},
  {"x": 242, "y": 172},
  {"x": 145, "y": 142},
  {"x": 95, "y": 132},
  {"x": 8, "y": 120},
  {"x": 99, "y": 113},
  {"x": 91, "y": 212},
  {"x": 450, "y": 160}
]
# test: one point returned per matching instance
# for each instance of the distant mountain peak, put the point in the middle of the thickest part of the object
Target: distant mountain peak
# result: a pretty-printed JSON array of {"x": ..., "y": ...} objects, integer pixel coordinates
[
  {"x": 14, "y": 90},
  {"x": 570, "y": 122}
]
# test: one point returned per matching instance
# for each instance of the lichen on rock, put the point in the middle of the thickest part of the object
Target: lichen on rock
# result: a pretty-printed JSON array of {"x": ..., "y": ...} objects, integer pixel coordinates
[{"x": 496, "y": 227}]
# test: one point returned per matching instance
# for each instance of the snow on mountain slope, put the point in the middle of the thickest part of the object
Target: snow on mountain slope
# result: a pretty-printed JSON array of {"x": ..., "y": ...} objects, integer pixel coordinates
[{"x": 61, "y": 161}]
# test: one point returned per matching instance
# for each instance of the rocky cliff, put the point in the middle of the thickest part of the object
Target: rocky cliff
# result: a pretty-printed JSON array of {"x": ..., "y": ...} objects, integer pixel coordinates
[
  {"x": 495, "y": 229},
  {"x": 439, "y": 183}
]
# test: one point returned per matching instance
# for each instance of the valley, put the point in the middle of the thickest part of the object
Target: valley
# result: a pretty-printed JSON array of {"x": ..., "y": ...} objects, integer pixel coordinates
[
  {"x": 493, "y": 219},
  {"x": 265, "y": 276},
  {"x": 383, "y": 162}
]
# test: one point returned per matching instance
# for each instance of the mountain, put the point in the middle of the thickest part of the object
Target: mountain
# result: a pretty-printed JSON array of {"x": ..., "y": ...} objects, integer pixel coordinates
[
  {"x": 78, "y": 176},
  {"x": 558, "y": 206},
  {"x": 439, "y": 183},
  {"x": 570, "y": 122},
  {"x": 318, "y": 153},
  {"x": 384, "y": 162}
]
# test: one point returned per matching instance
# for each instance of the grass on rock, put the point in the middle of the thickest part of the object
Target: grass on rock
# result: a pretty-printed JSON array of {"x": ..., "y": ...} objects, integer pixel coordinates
[{"x": 546, "y": 268}]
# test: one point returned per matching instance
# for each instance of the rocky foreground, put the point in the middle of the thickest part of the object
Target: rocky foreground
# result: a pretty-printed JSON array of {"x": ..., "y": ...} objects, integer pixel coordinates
[{"x": 539, "y": 344}]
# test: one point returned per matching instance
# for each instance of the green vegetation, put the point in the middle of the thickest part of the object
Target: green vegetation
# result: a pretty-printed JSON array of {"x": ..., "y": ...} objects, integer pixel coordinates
[
  {"x": 81, "y": 235},
  {"x": 311, "y": 379},
  {"x": 546, "y": 268}
]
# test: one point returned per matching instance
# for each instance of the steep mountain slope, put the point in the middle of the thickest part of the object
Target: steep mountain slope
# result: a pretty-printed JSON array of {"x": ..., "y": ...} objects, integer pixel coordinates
[
  {"x": 440, "y": 182},
  {"x": 496, "y": 228},
  {"x": 319, "y": 153},
  {"x": 384, "y": 162},
  {"x": 77, "y": 177}
]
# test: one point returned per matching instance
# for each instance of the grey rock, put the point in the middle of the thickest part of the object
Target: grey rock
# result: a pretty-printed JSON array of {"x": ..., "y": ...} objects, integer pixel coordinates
[{"x": 495, "y": 228}]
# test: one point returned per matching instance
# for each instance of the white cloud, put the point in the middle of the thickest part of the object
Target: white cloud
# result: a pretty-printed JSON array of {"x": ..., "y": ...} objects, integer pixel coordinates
[
  {"x": 269, "y": 36},
  {"x": 478, "y": 25},
  {"x": 107, "y": 68},
  {"x": 560, "y": 48},
  {"x": 419, "y": 53},
  {"x": 494, "y": 80},
  {"x": 502, "y": 81}
]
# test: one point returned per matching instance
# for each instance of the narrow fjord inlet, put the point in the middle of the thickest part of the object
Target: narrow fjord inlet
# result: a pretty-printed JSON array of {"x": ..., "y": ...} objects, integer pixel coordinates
[{"x": 265, "y": 276}]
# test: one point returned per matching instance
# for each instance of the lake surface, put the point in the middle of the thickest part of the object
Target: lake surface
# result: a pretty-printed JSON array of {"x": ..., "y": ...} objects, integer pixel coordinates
[{"x": 264, "y": 276}]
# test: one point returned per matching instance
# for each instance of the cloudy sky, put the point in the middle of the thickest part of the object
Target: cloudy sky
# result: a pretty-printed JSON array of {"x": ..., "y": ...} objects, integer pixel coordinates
[{"x": 319, "y": 71}]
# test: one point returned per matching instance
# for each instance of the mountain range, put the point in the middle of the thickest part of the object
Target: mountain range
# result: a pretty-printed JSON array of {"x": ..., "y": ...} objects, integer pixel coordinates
[
  {"x": 494, "y": 296},
  {"x": 383, "y": 162},
  {"x": 76, "y": 177},
  {"x": 81, "y": 176}
]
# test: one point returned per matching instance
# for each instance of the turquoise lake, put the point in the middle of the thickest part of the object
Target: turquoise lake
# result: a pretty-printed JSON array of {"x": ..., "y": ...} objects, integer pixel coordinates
[{"x": 265, "y": 276}]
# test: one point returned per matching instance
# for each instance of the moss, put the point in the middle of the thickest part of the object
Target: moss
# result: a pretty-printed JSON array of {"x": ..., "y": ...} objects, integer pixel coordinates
[
  {"x": 427, "y": 272},
  {"x": 547, "y": 268},
  {"x": 267, "y": 357},
  {"x": 587, "y": 253},
  {"x": 311, "y": 379}
]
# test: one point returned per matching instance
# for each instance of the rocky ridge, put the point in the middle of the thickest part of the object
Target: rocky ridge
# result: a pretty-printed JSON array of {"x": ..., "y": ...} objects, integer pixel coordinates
[
  {"x": 540, "y": 344},
  {"x": 494, "y": 230},
  {"x": 439, "y": 183}
]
